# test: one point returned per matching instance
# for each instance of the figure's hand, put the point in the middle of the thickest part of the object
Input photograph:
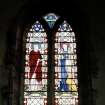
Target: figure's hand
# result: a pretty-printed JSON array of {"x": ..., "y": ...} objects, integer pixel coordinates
[{"x": 39, "y": 60}]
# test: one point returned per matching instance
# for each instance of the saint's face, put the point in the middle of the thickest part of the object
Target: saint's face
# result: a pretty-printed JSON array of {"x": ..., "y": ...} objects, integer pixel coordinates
[{"x": 64, "y": 46}]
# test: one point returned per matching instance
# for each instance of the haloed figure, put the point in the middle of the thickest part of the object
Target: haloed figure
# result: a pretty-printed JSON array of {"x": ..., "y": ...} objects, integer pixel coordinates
[
  {"x": 35, "y": 65},
  {"x": 64, "y": 75}
]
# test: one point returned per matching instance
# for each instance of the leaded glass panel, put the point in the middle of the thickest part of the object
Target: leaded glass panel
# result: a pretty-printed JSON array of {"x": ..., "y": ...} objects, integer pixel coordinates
[
  {"x": 51, "y": 18},
  {"x": 35, "y": 77},
  {"x": 66, "y": 83},
  {"x": 65, "y": 87}
]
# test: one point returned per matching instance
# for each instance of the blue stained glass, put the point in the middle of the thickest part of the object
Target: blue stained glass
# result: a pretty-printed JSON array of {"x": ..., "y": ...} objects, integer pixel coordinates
[
  {"x": 51, "y": 19},
  {"x": 65, "y": 27},
  {"x": 35, "y": 76},
  {"x": 66, "y": 83},
  {"x": 64, "y": 75},
  {"x": 37, "y": 27}
]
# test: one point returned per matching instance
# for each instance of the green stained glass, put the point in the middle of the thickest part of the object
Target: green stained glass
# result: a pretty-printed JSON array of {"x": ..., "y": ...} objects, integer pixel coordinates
[{"x": 51, "y": 18}]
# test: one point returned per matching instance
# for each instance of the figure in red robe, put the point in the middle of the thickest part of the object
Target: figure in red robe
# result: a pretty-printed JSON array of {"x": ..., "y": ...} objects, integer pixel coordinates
[{"x": 35, "y": 65}]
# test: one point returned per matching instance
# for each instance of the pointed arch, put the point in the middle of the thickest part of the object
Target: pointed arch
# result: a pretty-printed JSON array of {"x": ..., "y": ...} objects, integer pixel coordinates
[
  {"x": 66, "y": 83},
  {"x": 50, "y": 59},
  {"x": 35, "y": 82}
]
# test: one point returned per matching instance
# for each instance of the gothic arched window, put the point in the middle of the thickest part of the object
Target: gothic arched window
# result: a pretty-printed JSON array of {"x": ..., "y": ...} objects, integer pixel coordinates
[{"x": 50, "y": 64}]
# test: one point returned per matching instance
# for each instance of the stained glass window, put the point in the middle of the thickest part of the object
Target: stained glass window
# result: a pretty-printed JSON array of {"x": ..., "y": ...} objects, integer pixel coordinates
[
  {"x": 51, "y": 18},
  {"x": 66, "y": 83},
  {"x": 35, "y": 89},
  {"x": 64, "y": 59}
]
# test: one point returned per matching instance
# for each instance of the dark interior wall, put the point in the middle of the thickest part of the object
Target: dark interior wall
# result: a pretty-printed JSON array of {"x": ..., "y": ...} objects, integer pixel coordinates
[
  {"x": 98, "y": 41},
  {"x": 93, "y": 12},
  {"x": 97, "y": 25}
]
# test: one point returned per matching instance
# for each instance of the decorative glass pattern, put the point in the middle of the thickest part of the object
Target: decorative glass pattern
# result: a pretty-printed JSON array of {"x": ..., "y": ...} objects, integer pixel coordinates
[
  {"x": 35, "y": 82},
  {"x": 51, "y": 19},
  {"x": 65, "y": 27},
  {"x": 66, "y": 83}
]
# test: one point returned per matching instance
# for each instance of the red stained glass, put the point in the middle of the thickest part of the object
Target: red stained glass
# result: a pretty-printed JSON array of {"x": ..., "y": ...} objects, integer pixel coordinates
[
  {"x": 36, "y": 65},
  {"x": 35, "y": 90}
]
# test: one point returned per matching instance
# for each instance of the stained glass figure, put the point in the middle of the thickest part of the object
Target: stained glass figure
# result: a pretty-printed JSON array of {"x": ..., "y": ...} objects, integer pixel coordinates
[
  {"x": 36, "y": 65},
  {"x": 64, "y": 75},
  {"x": 51, "y": 19},
  {"x": 66, "y": 83},
  {"x": 35, "y": 90}
]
